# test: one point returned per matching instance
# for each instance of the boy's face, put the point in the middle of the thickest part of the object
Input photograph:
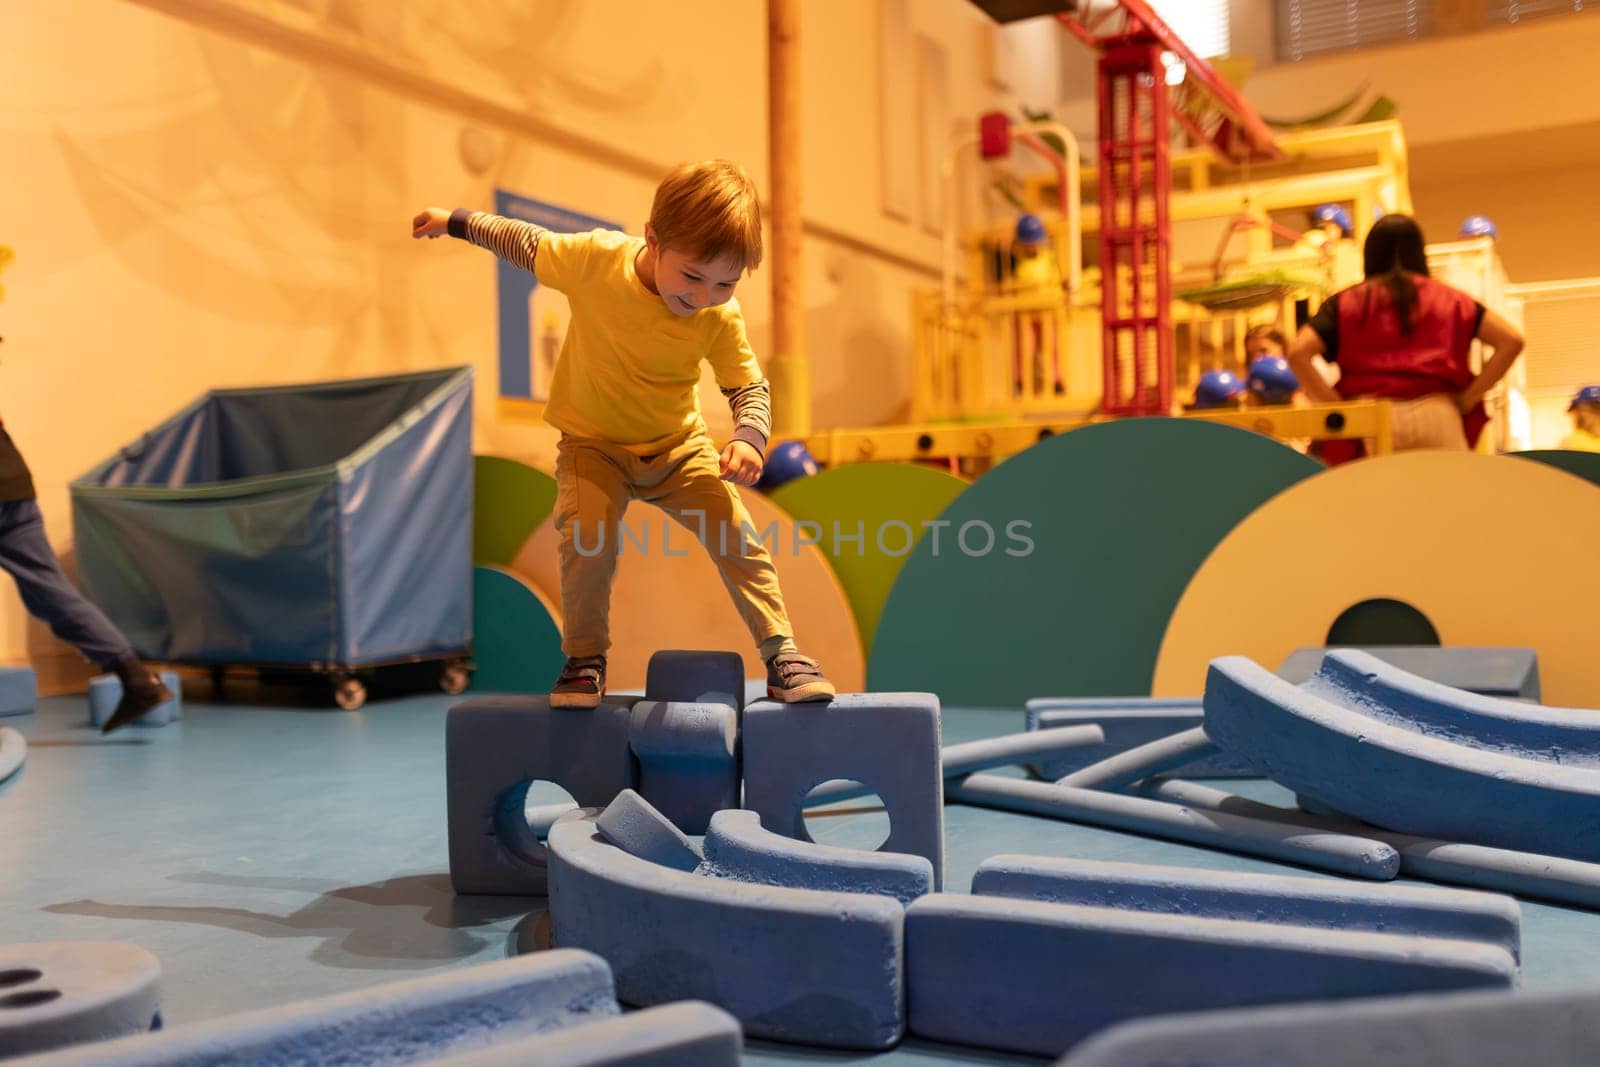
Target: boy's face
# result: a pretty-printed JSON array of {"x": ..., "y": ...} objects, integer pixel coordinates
[
  {"x": 1261, "y": 346},
  {"x": 688, "y": 284}
]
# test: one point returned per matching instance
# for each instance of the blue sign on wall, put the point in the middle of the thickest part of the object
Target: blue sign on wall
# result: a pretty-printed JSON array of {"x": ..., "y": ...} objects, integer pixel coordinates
[{"x": 516, "y": 288}]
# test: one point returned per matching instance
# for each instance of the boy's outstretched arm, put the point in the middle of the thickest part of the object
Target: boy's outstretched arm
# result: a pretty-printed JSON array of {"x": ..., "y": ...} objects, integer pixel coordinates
[
  {"x": 752, "y": 422},
  {"x": 513, "y": 240}
]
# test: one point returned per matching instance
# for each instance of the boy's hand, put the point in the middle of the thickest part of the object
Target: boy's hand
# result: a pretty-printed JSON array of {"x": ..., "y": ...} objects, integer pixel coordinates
[
  {"x": 741, "y": 463},
  {"x": 430, "y": 222}
]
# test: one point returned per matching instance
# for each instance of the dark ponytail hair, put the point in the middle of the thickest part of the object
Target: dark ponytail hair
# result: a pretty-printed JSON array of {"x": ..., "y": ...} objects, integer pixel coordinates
[{"x": 1392, "y": 254}]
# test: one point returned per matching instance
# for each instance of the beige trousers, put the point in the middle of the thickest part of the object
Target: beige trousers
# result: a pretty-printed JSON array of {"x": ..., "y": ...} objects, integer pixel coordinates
[
  {"x": 596, "y": 479},
  {"x": 1428, "y": 422}
]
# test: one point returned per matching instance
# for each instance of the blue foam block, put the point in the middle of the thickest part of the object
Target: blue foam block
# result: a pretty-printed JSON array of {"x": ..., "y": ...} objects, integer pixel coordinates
[
  {"x": 790, "y": 964},
  {"x": 1164, "y": 754},
  {"x": 1036, "y": 977},
  {"x": 59, "y": 993},
  {"x": 630, "y": 823},
  {"x": 737, "y": 847},
  {"x": 696, "y": 677},
  {"x": 1501, "y": 672},
  {"x": 416, "y": 1021},
  {"x": 1128, "y": 722},
  {"x": 494, "y": 747},
  {"x": 688, "y": 759},
  {"x": 1459, "y": 1029},
  {"x": 687, "y": 1034},
  {"x": 105, "y": 690},
  {"x": 19, "y": 691},
  {"x": 1326, "y": 903},
  {"x": 1396, "y": 777},
  {"x": 889, "y": 742}
]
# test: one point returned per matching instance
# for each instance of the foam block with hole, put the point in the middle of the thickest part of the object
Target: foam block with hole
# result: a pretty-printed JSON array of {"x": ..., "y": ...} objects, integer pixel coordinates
[
  {"x": 630, "y": 823},
  {"x": 493, "y": 747},
  {"x": 688, "y": 759},
  {"x": 1128, "y": 722},
  {"x": 1500, "y": 672},
  {"x": 1038, "y": 977},
  {"x": 737, "y": 847},
  {"x": 888, "y": 742},
  {"x": 797, "y": 965},
  {"x": 19, "y": 691},
  {"x": 105, "y": 691},
  {"x": 687, "y": 1034},
  {"x": 59, "y": 993},
  {"x": 696, "y": 677}
]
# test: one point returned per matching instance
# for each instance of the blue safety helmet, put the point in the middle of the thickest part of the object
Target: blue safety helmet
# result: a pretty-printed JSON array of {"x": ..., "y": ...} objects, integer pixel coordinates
[
  {"x": 1589, "y": 394},
  {"x": 785, "y": 463},
  {"x": 1216, "y": 388},
  {"x": 1334, "y": 213},
  {"x": 1478, "y": 226},
  {"x": 1031, "y": 231},
  {"x": 1271, "y": 380}
]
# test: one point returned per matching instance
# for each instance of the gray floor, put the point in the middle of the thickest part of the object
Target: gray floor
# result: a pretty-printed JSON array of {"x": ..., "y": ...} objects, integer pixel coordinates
[{"x": 268, "y": 854}]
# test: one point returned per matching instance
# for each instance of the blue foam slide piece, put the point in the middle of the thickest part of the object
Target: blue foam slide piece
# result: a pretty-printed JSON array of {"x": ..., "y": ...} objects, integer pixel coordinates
[
  {"x": 55, "y": 994},
  {"x": 969, "y": 757},
  {"x": 415, "y": 1021},
  {"x": 1163, "y": 754},
  {"x": 1501, "y": 672},
  {"x": 797, "y": 965},
  {"x": 1395, "y": 777},
  {"x": 1341, "y": 853},
  {"x": 633, "y": 825},
  {"x": 1472, "y": 1029},
  {"x": 686, "y": 1034},
  {"x": 105, "y": 690},
  {"x": 1495, "y": 724},
  {"x": 696, "y": 677},
  {"x": 1128, "y": 722},
  {"x": 1525, "y": 874},
  {"x": 688, "y": 759},
  {"x": 1324, "y": 903},
  {"x": 889, "y": 742},
  {"x": 19, "y": 691},
  {"x": 1038, "y": 977},
  {"x": 13, "y": 752},
  {"x": 737, "y": 847},
  {"x": 494, "y": 747}
]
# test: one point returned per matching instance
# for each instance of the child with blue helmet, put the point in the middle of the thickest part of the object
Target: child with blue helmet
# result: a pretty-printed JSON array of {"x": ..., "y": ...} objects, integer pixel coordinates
[
  {"x": 1585, "y": 411},
  {"x": 1035, "y": 272}
]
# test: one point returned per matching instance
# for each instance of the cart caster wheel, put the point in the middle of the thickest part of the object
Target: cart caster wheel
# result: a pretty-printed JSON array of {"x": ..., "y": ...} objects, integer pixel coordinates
[
  {"x": 349, "y": 693},
  {"x": 219, "y": 676},
  {"x": 454, "y": 677}
]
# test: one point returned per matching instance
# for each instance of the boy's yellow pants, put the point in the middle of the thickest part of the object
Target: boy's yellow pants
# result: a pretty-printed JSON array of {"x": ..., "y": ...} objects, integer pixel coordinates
[{"x": 596, "y": 479}]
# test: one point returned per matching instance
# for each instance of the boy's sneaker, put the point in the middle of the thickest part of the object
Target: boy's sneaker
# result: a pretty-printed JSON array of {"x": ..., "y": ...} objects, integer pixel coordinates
[
  {"x": 582, "y": 683},
  {"x": 793, "y": 678}
]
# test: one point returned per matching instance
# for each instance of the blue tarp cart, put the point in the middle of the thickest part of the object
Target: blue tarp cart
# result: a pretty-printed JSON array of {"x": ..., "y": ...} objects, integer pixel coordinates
[{"x": 323, "y": 527}]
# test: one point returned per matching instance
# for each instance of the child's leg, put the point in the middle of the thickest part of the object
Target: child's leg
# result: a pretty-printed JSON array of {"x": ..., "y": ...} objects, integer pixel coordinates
[
  {"x": 26, "y": 555},
  {"x": 591, "y": 495}
]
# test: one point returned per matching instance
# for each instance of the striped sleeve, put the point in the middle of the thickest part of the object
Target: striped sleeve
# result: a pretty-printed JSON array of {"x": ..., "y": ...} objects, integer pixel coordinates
[
  {"x": 513, "y": 240},
  {"x": 752, "y": 413}
]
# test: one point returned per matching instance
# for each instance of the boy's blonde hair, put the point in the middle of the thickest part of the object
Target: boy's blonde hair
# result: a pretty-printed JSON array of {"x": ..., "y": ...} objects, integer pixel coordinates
[{"x": 707, "y": 211}]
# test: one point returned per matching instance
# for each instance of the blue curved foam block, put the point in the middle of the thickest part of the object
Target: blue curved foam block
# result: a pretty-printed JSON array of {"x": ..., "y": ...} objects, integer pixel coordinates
[
  {"x": 1038, "y": 977},
  {"x": 1346, "y": 758},
  {"x": 696, "y": 677},
  {"x": 630, "y": 823},
  {"x": 1128, "y": 722},
  {"x": 687, "y": 1034},
  {"x": 59, "y": 993},
  {"x": 105, "y": 691},
  {"x": 797, "y": 965},
  {"x": 13, "y": 752},
  {"x": 1323, "y": 903},
  {"x": 19, "y": 691},
  {"x": 889, "y": 742},
  {"x": 738, "y": 848},
  {"x": 493, "y": 747},
  {"x": 1501, "y": 672},
  {"x": 688, "y": 759}
]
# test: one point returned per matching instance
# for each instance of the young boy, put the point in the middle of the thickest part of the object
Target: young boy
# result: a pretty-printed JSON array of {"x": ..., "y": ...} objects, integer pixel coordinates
[{"x": 645, "y": 313}]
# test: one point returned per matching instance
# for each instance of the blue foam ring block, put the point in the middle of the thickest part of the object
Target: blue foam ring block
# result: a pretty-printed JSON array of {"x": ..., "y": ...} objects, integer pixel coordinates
[
  {"x": 1495, "y": 724},
  {"x": 105, "y": 690},
  {"x": 13, "y": 752},
  {"x": 1036, "y": 977},
  {"x": 737, "y": 847},
  {"x": 19, "y": 691},
  {"x": 1163, "y": 754},
  {"x": 494, "y": 747},
  {"x": 1525, "y": 874},
  {"x": 1326, "y": 903},
  {"x": 673, "y": 936},
  {"x": 696, "y": 677},
  {"x": 55, "y": 994},
  {"x": 1396, "y": 777},
  {"x": 688, "y": 759},
  {"x": 1473, "y": 1029},
  {"x": 1342, "y": 853},
  {"x": 415, "y": 1021},
  {"x": 1128, "y": 722},
  {"x": 686, "y": 1034},
  {"x": 630, "y": 823},
  {"x": 1501, "y": 672},
  {"x": 889, "y": 742}
]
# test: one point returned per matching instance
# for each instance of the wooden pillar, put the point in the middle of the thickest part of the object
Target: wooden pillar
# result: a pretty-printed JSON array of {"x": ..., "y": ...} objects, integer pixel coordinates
[{"x": 788, "y": 369}]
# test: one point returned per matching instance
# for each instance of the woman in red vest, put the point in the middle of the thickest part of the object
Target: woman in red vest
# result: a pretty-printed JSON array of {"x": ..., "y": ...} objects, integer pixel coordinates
[{"x": 1402, "y": 335}]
